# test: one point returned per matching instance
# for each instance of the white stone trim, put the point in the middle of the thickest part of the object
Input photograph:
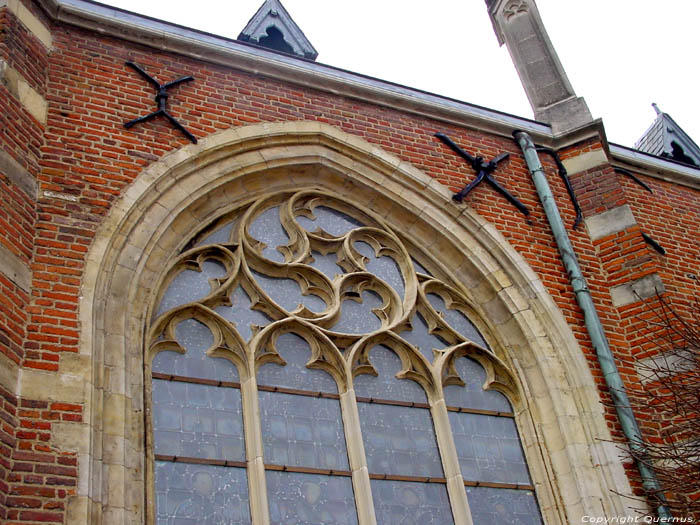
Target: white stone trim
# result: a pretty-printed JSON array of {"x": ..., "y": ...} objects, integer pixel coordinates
[
  {"x": 16, "y": 173},
  {"x": 15, "y": 269},
  {"x": 9, "y": 371},
  {"x": 32, "y": 23},
  {"x": 16, "y": 84},
  {"x": 637, "y": 290},
  {"x": 610, "y": 221},
  {"x": 585, "y": 161}
]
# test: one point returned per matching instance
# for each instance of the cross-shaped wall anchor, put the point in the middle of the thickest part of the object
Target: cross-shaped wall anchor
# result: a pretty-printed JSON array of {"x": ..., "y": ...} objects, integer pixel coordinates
[
  {"x": 483, "y": 170},
  {"x": 161, "y": 98}
]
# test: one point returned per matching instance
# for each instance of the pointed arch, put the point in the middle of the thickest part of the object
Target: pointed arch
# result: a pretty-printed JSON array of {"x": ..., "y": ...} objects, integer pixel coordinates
[{"x": 574, "y": 465}]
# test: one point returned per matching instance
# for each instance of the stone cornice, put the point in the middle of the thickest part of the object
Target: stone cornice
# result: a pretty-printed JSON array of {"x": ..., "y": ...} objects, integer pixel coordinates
[
  {"x": 199, "y": 45},
  {"x": 656, "y": 167}
]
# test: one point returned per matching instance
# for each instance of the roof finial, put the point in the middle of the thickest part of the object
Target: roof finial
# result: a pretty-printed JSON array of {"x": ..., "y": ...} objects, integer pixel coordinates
[{"x": 656, "y": 108}]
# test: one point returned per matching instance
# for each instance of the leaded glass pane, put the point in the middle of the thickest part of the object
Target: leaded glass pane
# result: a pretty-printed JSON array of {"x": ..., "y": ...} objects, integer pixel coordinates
[
  {"x": 302, "y": 431},
  {"x": 310, "y": 499},
  {"x": 242, "y": 315},
  {"x": 503, "y": 506},
  {"x": 267, "y": 228},
  {"x": 399, "y": 440},
  {"x": 190, "y": 285},
  {"x": 386, "y": 385},
  {"x": 419, "y": 268},
  {"x": 457, "y": 320},
  {"x": 331, "y": 221},
  {"x": 196, "y": 338},
  {"x": 358, "y": 318},
  {"x": 473, "y": 395},
  {"x": 488, "y": 448},
  {"x": 220, "y": 236},
  {"x": 420, "y": 337},
  {"x": 201, "y": 421},
  {"x": 200, "y": 495},
  {"x": 411, "y": 503},
  {"x": 287, "y": 293},
  {"x": 383, "y": 267},
  {"x": 295, "y": 374},
  {"x": 326, "y": 264}
]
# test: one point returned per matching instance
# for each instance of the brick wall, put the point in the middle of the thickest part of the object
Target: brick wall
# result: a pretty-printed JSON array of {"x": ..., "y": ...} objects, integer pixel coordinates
[
  {"x": 670, "y": 215},
  {"x": 84, "y": 158},
  {"x": 42, "y": 477},
  {"x": 8, "y": 441}
]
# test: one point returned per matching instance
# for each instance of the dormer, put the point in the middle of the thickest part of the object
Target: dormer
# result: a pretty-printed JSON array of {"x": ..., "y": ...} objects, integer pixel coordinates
[
  {"x": 665, "y": 138},
  {"x": 272, "y": 27}
]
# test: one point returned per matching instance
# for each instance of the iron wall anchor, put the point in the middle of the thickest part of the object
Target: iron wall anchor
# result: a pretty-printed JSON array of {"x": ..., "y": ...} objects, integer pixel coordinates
[
  {"x": 483, "y": 170},
  {"x": 161, "y": 98}
]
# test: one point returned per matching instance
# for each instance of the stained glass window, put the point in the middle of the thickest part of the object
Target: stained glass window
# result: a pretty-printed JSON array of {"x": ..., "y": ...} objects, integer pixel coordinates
[
  {"x": 264, "y": 322},
  {"x": 195, "y": 422},
  {"x": 411, "y": 503},
  {"x": 190, "y": 494},
  {"x": 489, "y": 450}
]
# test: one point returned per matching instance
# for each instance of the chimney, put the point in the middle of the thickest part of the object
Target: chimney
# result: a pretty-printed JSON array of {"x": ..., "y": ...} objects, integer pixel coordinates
[{"x": 517, "y": 23}]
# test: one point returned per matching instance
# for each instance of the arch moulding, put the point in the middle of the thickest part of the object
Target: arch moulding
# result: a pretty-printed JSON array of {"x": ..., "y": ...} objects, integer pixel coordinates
[{"x": 575, "y": 468}]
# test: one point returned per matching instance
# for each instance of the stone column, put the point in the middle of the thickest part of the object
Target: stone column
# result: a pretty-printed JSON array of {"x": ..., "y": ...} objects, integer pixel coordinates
[{"x": 517, "y": 23}]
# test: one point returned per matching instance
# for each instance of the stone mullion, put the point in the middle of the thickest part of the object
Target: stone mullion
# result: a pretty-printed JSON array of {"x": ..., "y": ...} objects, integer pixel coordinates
[
  {"x": 357, "y": 459},
  {"x": 257, "y": 488},
  {"x": 450, "y": 463}
]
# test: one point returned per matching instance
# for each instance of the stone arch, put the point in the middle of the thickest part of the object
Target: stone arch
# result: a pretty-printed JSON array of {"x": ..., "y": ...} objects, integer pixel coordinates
[{"x": 574, "y": 465}]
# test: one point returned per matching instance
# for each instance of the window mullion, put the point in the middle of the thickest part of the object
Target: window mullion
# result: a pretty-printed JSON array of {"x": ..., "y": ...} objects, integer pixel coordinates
[
  {"x": 259, "y": 510},
  {"x": 357, "y": 459},
  {"x": 450, "y": 463}
]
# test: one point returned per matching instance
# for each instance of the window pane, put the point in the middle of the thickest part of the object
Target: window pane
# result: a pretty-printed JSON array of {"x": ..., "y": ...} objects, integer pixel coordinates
[
  {"x": 220, "y": 236},
  {"x": 202, "y": 421},
  {"x": 200, "y": 494},
  {"x": 242, "y": 315},
  {"x": 383, "y": 267},
  {"x": 419, "y": 268},
  {"x": 295, "y": 374},
  {"x": 196, "y": 338},
  {"x": 488, "y": 448},
  {"x": 327, "y": 264},
  {"x": 358, "y": 318},
  {"x": 420, "y": 337},
  {"x": 310, "y": 499},
  {"x": 287, "y": 293},
  {"x": 473, "y": 395},
  {"x": 331, "y": 221},
  {"x": 190, "y": 285},
  {"x": 302, "y": 431},
  {"x": 503, "y": 506},
  {"x": 399, "y": 440},
  {"x": 457, "y": 320},
  {"x": 386, "y": 385},
  {"x": 411, "y": 503},
  {"x": 267, "y": 228}
]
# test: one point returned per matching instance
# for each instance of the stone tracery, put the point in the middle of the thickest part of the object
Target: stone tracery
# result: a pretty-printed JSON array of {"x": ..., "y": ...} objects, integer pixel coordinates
[
  {"x": 340, "y": 280},
  {"x": 279, "y": 278}
]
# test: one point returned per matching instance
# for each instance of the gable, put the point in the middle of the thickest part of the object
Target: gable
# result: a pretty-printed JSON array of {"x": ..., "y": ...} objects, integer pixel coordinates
[{"x": 272, "y": 27}]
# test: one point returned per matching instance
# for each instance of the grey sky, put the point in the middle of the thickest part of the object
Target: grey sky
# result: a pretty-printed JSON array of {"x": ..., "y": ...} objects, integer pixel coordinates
[{"x": 621, "y": 55}]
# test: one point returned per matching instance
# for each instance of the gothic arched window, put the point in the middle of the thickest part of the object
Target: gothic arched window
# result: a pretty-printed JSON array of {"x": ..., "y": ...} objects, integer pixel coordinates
[{"x": 306, "y": 368}]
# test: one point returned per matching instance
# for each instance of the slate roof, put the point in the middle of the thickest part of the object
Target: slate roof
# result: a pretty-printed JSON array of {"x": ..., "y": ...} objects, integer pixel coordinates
[{"x": 665, "y": 138}]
